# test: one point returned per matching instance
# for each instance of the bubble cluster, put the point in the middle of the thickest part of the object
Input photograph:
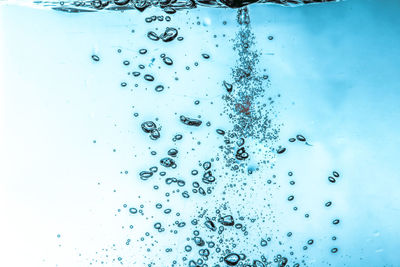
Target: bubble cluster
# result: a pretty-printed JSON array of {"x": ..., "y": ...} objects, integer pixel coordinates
[
  {"x": 151, "y": 128},
  {"x": 218, "y": 208},
  {"x": 169, "y": 7}
]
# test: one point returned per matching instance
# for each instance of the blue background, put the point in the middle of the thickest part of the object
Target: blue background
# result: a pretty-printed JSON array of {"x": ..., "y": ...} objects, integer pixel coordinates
[{"x": 336, "y": 65}]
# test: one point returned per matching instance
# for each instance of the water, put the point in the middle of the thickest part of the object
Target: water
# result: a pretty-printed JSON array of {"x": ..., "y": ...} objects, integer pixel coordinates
[
  {"x": 180, "y": 134},
  {"x": 168, "y": 6}
]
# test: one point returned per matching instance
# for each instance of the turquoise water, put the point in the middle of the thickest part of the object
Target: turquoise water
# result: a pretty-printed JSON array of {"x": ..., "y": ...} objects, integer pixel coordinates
[{"x": 276, "y": 128}]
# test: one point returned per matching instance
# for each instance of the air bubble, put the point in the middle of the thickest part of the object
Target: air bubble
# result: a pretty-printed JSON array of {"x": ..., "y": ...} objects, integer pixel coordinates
[
  {"x": 220, "y": 132},
  {"x": 159, "y": 88},
  {"x": 168, "y": 61},
  {"x": 331, "y": 179},
  {"x": 121, "y": 2},
  {"x": 210, "y": 225},
  {"x": 207, "y": 165},
  {"x": 257, "y": 263},
  {"x": 190, "y": 121},
  {"x": 281, "y": 150},
  {"x": 232, "y": 259},
  {"x": 149, "y": 77},
  {"x": 167, "y": 162},
  {"x": 172, "y": 152},
  {"x": 169, "y": 34},
  {"x": 228, "y": 87},
  {"x": 148, "y": 126},
  {"x": 167, "y": 211},
  {"x": 145, "y": 175},
  {"x": 133, "y": 210},
  {"x": 153, "y": 36},
  {"x": 227, "y": 220},
  {"x": 300, "y": 138},
  {"x": 95, "y": 58}
]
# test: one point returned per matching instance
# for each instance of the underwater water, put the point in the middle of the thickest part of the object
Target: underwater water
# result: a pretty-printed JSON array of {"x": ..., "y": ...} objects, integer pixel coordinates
[{"x": 199, "y": 133}]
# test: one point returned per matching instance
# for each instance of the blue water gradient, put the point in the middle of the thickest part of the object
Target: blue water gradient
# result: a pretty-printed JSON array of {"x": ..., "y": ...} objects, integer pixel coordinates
[{"x": 335, "y": 65}]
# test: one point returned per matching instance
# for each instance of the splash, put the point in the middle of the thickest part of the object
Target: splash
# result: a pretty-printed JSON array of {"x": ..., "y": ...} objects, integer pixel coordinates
[{"x": 168, "y": 6}]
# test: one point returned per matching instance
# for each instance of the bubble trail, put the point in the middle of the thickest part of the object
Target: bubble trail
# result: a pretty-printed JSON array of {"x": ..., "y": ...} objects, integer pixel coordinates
[{"x": 216, "y": 209}]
